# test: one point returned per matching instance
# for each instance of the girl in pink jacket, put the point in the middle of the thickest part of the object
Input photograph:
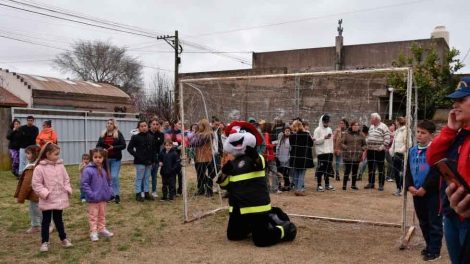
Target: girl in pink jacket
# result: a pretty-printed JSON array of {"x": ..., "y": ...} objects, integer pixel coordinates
[{"x": 52, "y": 184}]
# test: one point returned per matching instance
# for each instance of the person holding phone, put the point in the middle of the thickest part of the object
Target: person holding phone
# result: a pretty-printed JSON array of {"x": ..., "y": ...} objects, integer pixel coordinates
[
  {"x": 422, "y": 181},
  {"x": 324, "y": 146},
  {"x": 453, "y": 143}
]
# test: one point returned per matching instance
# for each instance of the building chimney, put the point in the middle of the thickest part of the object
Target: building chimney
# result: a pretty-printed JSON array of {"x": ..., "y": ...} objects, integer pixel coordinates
[
  {"x": 339, "y": 47},
  {"x": 441, "y": 32}
]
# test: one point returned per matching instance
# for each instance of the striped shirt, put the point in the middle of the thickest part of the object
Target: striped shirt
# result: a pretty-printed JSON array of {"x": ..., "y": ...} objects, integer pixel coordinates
[{"x": 378, "y": 138}]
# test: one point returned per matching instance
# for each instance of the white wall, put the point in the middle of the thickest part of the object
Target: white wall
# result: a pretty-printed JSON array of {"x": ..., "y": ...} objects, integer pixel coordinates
[{"x": 14, "y": 85}]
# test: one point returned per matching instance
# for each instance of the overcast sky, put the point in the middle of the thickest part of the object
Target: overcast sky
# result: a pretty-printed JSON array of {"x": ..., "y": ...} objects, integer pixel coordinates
[{"x": 300, "y": 24}]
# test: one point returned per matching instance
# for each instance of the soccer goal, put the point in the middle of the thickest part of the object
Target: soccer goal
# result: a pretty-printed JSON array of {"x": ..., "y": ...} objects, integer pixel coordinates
[{"x": 273, "y": 101}]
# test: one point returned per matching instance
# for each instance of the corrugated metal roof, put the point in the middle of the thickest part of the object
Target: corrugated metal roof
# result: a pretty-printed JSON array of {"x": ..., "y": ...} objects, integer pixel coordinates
[
  {"x": 9, "y": 99},
  {"x": 69, "y": 86}
]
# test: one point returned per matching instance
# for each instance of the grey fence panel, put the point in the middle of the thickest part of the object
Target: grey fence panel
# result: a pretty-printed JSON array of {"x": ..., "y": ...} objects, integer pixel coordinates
[{"x": 77, "y": 131}]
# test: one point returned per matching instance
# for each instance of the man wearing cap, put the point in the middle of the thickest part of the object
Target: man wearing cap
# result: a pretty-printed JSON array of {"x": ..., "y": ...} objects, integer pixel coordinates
[
  {"x": 323, "y": 139},
  {"x": 377, "y": 141},
  {"x": 453, "y": 143}
]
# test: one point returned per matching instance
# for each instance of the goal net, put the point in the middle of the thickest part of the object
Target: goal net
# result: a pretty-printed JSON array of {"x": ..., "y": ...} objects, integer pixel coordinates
[{"x": 272, "y": 102}]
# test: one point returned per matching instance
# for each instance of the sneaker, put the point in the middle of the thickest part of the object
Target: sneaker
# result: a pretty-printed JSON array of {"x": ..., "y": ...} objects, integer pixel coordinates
[
  {"x": 380, "y": 189},
  {"x": 155, "y": 195},
  {"x": 389, "y": 179},
  {"x": 106, "y": 233},
  {"x": 66, "y": 243},
  {"x": 83, "y": 200},
  {"x": 44, "y": 247},
  {"x": 330, "y": 188},
  {"x": 139, "y": 197},
  {"x": 397, "y": 193},
  {"x": 369, "y": 186},
  {"x": 320, "y": 189},
  {"x": 344, "y": 188},
  {"x": 354, "y": 188},
  {"x": 94, "y": 236},
  {"x": 431, "y": 257},
  {"x": 33, "y": 229},
  {"x": 163, "y": 199},
  {"x": 149, "y": 197},
  {"x": 117, "y": 199}
]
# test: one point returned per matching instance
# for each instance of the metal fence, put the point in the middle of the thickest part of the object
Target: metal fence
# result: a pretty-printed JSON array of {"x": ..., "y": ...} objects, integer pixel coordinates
[{"x": 78, "y": 131}]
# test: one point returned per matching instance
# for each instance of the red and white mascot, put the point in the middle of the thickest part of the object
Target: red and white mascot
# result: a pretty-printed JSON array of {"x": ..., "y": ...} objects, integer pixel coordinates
[{"x": 244, "y": 178}]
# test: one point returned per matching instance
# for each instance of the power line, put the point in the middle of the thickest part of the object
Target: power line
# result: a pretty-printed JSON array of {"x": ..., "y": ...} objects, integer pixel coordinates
[
  {"x": 304, "y": 19},
  {"x": 77, "y": 21},
  {"x": 33, "y": 43},
  {"x": 148, "y": 35}
]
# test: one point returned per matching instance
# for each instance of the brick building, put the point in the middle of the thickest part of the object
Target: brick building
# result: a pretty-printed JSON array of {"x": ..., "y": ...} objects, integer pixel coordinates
[{"x": 353, "y": 97}]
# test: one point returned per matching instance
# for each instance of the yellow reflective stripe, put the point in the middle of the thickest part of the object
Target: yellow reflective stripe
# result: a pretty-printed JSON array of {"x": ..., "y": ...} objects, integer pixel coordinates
[
  {"x": 282, "y": 231},
  {"x": 225, "y": 182},
  {"x": 255, "y": 209},
  {"x": 247, "y": 176},
  {"x": 262, "y": 161},
  {"x": 230, "y": 209}
]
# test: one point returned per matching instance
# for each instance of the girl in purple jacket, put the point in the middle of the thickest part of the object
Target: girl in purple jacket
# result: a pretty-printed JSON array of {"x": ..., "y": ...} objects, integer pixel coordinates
[{"x": 96, "y": 184}]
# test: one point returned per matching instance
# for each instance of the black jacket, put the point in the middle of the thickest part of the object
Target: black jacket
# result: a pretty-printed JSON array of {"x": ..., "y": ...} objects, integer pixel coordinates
[
  {"x": 119, "y": 144},
  {"x": 246, "y": 185},
  {"x": 14, "y": 136},
  {"x": 142, "y": 148},
  {"x": 158, "y": 138},
  {"x": 301, "y": 144},
  {"x": 171, "y": 162},
  {"x": 28, "y": 136}
]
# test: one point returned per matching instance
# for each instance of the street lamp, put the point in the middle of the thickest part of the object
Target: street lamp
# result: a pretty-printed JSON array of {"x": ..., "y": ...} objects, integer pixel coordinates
[{"x": 390, "y": 102}]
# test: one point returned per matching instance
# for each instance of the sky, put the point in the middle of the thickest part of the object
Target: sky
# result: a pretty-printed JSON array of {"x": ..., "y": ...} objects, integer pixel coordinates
[{"x": 241, "y": 26}]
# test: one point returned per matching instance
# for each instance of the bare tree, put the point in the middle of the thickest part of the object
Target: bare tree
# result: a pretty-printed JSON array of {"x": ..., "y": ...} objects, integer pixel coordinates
[
  {"x": 100, "y": 61},
  {"x": 160, "y": 100}
]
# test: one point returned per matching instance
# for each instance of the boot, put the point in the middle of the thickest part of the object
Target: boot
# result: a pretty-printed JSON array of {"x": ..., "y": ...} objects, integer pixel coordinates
[
  {"x": 149, "y": 197},
  {"x": 345, "y": 182},
  {"x": 138, "y": 197},
  {"x": 353, "y": 185},
  {"x": 280, "y": 220}
]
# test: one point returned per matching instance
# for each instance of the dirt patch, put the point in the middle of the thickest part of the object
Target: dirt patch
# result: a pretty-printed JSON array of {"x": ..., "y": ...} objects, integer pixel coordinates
[{"x": 153, "y": 232}]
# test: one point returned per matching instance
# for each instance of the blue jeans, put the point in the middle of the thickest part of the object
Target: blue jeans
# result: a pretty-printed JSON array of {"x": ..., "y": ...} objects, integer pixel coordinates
[
  {"x": 142, "y": 175},
  {"x": 35, "y": 214},
  {"x": 455, "y": 232},
  {"x": 338, "y": 162},
  {"x": 114, "y": 169},
  {"x": 23, "y": 161},
  {"x": 154, "y": 176},
  {"x": 299, "y": 175}
]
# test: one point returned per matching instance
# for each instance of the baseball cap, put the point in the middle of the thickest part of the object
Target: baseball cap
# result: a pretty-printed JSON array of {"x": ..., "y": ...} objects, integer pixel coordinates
[{"x": 463, "y": 89}]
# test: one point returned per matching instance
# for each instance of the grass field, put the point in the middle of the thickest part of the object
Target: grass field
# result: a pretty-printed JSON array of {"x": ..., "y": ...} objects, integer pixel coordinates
[{"x": 153, "y": 232}]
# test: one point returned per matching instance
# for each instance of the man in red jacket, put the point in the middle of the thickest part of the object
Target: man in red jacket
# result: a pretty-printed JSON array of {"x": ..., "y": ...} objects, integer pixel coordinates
[{"x": 454, "y": 143}]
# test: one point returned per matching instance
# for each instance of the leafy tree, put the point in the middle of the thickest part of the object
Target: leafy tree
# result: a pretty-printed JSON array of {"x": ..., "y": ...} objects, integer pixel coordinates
[
  {"x": 100, "y": 61},
  {"x": 433, "y": 76}
]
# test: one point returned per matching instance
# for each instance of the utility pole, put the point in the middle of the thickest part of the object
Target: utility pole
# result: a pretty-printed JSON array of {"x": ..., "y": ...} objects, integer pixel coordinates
[{"x": 174, "y": 42}]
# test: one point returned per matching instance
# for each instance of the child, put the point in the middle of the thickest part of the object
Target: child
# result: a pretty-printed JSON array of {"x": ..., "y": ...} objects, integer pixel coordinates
[
  {"x": 24, "y": 190},
  {"x": 96, "y": 184},
  {"x": 81, "y": 167},
  {"x": 169, "y": 161},
  {"x": 52, "y": 184},
  {"x": 423, "y": 183}
]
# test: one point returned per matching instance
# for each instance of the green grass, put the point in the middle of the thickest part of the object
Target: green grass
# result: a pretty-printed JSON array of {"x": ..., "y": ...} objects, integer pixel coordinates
[{"x": 135, "y": 224}]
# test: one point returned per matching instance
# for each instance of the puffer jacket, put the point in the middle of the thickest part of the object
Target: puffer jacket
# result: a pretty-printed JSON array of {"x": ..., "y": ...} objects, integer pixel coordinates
[
  {"x": 96, "y": 187},
  {"x": 52, "y": 184},
  {"x": 46, "y": 135},
  {"x": 353, "y": 145},
  {"x": 24, "y": 189}
]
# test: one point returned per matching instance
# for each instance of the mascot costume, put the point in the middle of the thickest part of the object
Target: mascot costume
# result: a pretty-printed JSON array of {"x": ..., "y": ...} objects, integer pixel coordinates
[{"x": 244, "y": 178}]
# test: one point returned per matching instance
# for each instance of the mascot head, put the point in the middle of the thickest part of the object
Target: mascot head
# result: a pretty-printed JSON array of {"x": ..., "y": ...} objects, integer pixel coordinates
[{"x": 240, "y": 135}]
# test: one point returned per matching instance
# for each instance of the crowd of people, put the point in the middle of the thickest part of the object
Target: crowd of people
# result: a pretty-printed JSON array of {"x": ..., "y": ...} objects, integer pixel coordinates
[{"x": 289, "y": 149}]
